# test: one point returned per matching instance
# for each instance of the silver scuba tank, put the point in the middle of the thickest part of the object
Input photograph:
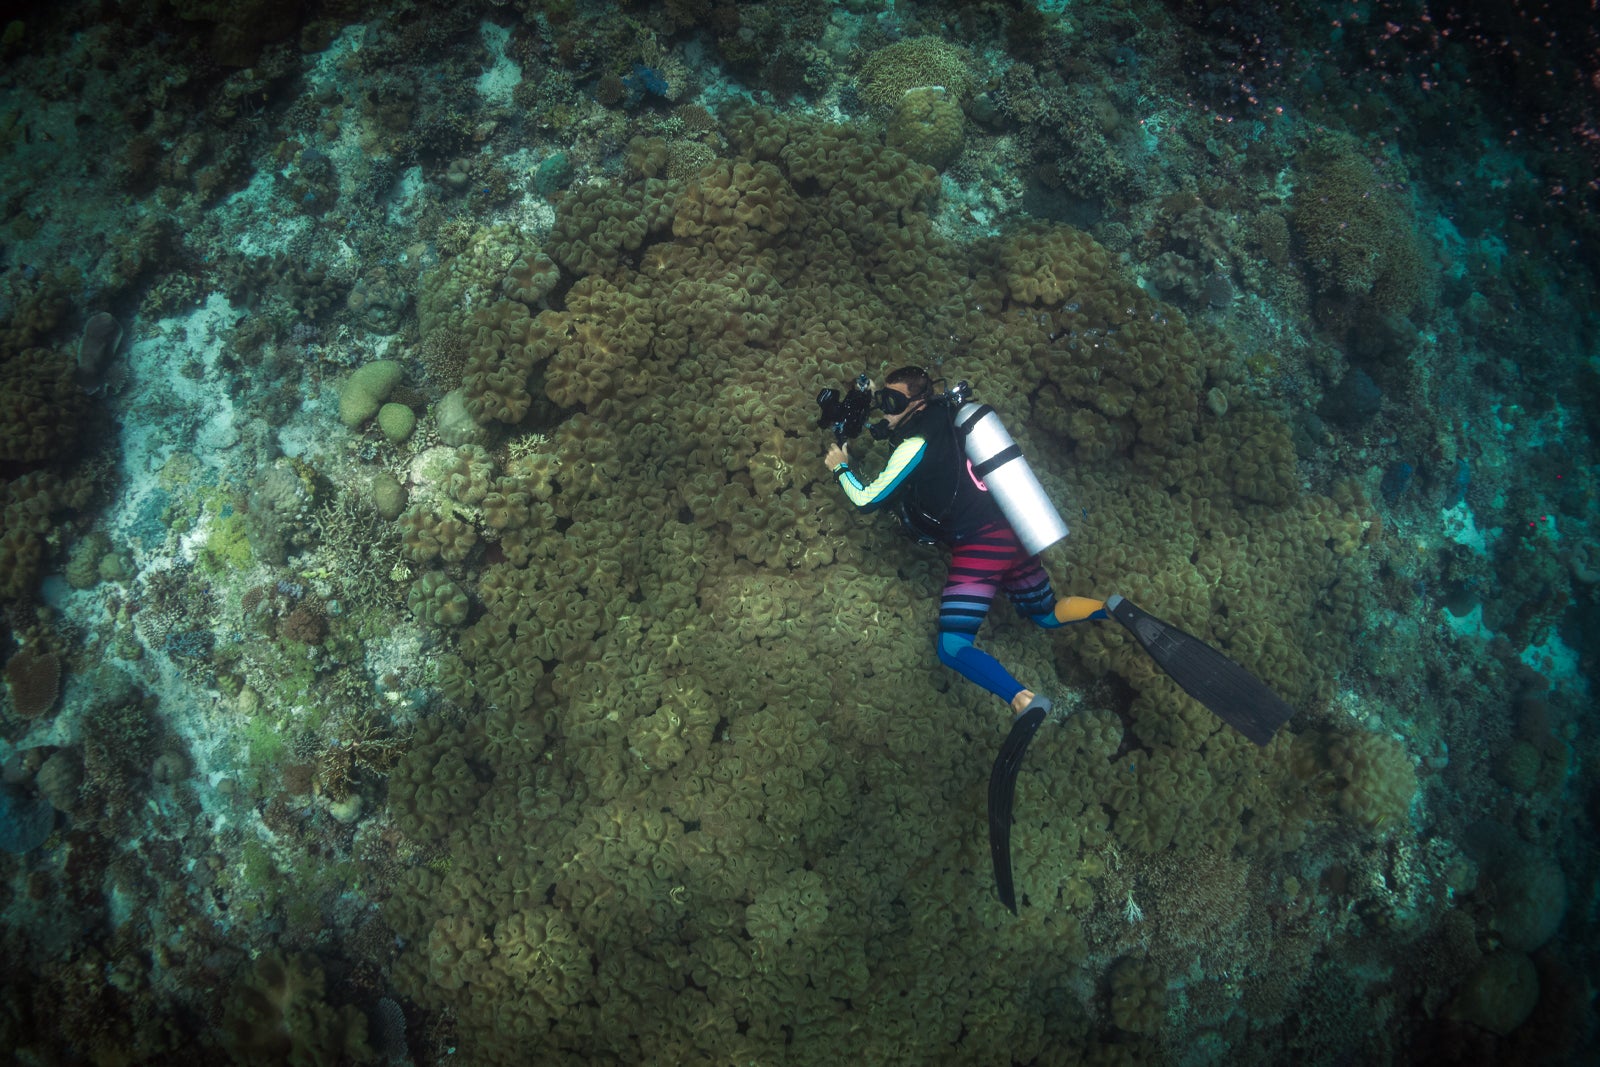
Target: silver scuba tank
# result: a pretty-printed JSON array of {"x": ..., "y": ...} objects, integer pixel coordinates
[{"x": 998, "y": 465}]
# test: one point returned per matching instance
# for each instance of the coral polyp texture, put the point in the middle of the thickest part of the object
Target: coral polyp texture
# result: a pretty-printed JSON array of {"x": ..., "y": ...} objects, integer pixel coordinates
[
  {"x": 687, "y": 355},
  {"x": 431, "y": 634}
]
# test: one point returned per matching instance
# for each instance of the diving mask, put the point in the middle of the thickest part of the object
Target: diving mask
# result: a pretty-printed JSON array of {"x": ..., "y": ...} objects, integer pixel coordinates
[{"x": 892, "y": 402}]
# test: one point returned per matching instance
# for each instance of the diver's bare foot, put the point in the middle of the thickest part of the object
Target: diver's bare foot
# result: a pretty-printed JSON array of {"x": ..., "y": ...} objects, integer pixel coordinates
[{"x": 1020, "y": 702}]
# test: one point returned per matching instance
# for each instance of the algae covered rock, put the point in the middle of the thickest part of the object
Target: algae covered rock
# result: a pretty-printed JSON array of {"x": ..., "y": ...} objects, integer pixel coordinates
[
  {"x": 25, "y": 820},
  {"x": 1531, "y": 900}
]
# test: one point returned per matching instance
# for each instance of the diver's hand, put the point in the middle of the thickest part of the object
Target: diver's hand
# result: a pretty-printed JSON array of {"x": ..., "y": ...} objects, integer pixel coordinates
[{"x": 836, "y": 455}]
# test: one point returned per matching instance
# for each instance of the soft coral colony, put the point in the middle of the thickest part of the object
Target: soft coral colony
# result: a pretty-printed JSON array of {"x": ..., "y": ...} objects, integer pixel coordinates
[{"x": 495, "y": 676}]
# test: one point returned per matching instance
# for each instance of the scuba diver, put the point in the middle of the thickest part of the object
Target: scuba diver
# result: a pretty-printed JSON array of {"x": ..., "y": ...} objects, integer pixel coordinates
[
  {"x": 957, "y": 478},
  {"x": 943, "y": 499}
]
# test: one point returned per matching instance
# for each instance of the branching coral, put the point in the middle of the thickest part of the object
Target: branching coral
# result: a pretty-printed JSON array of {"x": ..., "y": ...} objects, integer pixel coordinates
[
  {"x": 361, "y": 747},
  {"x": 892, "y": 71},
  {"x": 1360, "y": 236}
]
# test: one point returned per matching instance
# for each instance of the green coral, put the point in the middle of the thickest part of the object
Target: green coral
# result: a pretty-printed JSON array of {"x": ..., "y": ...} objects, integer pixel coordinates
[
  {"x": 227, "y": 543},
  {"x": 438, "y": 601},
  {"x": 396, "y": 421},
  {"x": 365, "y": 390},
  {"x": 919, "y": 62},
  {"x": 1360, "y": 237},
  {"x": 927, "y": 126},
  {"x": 795, "y": 906},
  {"x": 671, "y": 738},
  {"x": 388, "y": 496}
]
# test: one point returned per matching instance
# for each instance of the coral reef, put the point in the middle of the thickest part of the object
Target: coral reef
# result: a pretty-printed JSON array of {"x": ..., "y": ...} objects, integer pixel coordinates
[
  {"x": 469, "y": 640},
  {"x": 1359, "y": 235},
  {"x": 593, "y": 632}
]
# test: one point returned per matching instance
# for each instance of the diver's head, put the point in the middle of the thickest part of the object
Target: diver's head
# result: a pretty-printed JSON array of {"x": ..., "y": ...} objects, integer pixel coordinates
[{"x": 905, "y": 392}]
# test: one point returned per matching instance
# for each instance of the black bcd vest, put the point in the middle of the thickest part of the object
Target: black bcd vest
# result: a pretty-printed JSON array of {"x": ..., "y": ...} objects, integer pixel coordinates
[{"x": 941, "y": 501}]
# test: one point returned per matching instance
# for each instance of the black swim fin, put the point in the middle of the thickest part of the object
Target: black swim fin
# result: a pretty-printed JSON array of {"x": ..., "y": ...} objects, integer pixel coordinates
[
  {"x": 1236, "y": 696},
  {"x": 1003, "y": 790}
]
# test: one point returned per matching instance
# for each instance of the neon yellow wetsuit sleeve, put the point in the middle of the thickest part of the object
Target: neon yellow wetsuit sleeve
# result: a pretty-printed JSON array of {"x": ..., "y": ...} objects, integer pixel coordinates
[{"x": 907, "y": 454}]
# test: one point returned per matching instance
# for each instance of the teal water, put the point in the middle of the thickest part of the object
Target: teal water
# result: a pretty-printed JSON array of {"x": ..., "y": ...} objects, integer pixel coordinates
[{"x": 431, "y": 634}]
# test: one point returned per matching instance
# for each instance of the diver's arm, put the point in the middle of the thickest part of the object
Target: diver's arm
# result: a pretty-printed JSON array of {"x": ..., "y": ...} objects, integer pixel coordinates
[{"x": 907, "y": 454}]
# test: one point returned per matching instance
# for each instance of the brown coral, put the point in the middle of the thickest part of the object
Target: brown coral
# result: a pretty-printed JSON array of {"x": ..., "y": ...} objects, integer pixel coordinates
[
  {"x": 306, "y": 623},
  {"x": 737, "y": 207},
  {"x": 41, "y": 409},
  {"x": 694, "y": 335},
  {"x": 927, "y": 126},
  {"x": 279, "y": 1013},
  {"x": 1361, "y": 239},
  {"x": 35, "y": 680},
  {"x": 500, "y": 356},
  {"x": 1138, "y": 996},
  {"x": 892, "y": 71}
]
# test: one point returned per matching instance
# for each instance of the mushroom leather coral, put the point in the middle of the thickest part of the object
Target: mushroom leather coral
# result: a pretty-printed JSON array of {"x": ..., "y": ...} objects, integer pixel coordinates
[{"x": 688, "y": 728}]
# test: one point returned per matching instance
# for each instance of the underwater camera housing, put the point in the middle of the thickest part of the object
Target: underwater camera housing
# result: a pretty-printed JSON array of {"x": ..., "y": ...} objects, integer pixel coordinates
[{"x": 845, "y": 414}]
